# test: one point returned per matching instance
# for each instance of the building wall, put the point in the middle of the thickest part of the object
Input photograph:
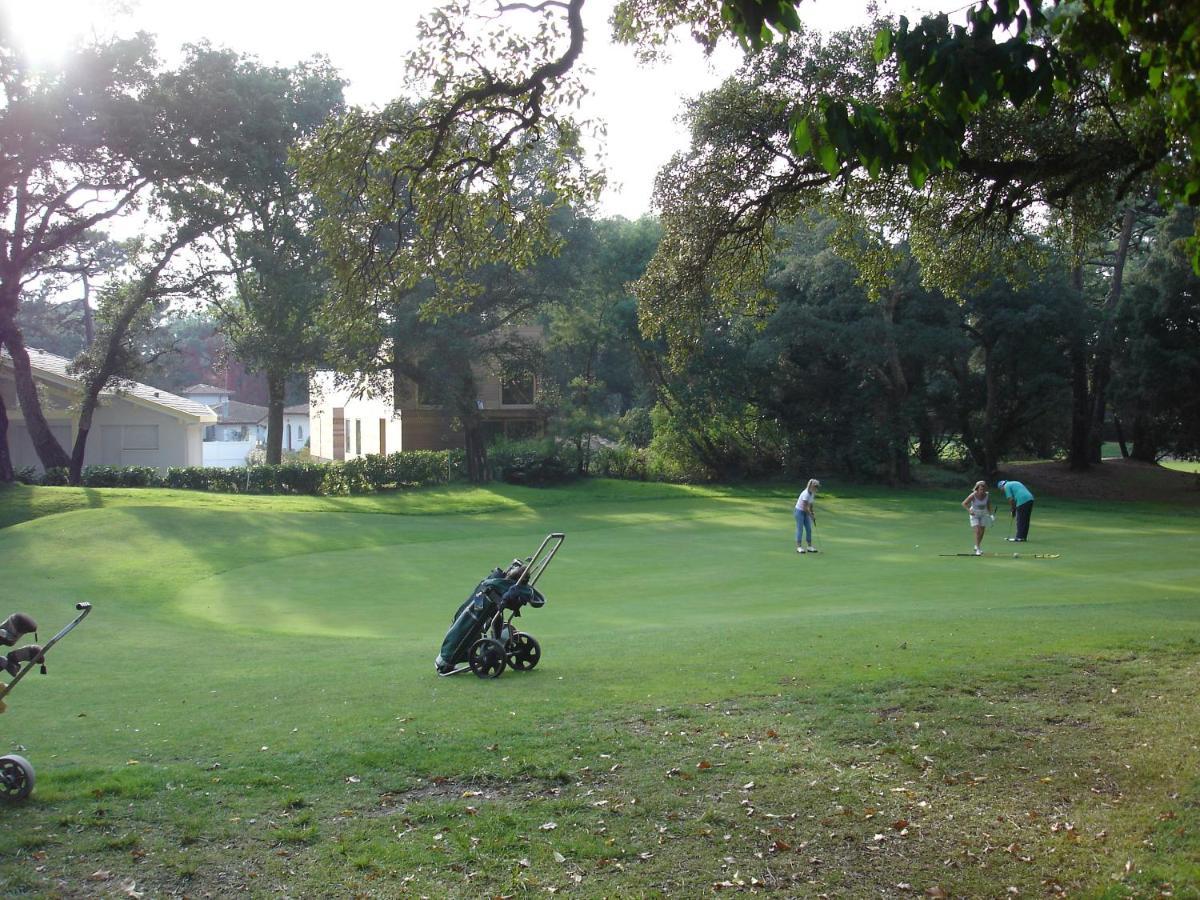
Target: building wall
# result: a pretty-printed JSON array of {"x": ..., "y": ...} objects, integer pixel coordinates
[
  {"x": 369, "y": 424},
  {"x": 123, "y": 433}
]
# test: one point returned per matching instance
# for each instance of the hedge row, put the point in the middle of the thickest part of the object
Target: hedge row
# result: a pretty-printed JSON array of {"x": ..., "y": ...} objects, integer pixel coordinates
[{"x": 408, "y": 468}]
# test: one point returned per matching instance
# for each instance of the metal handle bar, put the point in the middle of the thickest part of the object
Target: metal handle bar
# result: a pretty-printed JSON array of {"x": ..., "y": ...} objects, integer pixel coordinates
[
  {"x": 84, "y": 609},
  {"x": 538, "y": 562}
]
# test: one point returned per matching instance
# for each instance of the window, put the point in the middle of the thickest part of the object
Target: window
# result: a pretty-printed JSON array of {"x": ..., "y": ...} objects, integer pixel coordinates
[
  {"x": 348, "y": 436},
  {"x": 139, "y": 437},
  {"x": 300, "y": 434},
  {"x": 517, "y": 391},
  {"x": 358, "y": 435}
]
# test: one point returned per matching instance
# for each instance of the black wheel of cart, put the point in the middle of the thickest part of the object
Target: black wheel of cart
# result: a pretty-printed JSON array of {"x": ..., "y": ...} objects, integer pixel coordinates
[
  {"x": 16, "y": 777},
  {"x": 523, "y": 651},
  {"x": 486, "y": 658}
]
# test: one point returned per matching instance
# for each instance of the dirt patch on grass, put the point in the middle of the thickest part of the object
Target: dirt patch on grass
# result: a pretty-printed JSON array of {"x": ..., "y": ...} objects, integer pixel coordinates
[{"x": 1114, "y": 479}]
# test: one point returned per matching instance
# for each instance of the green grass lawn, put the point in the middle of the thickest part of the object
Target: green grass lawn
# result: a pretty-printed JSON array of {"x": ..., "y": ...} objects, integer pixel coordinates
[{"x": 252, "y": 705}]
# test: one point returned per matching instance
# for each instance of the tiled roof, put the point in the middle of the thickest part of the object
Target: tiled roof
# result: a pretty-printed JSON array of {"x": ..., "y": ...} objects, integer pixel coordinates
[
  {"x": 300, "y": 409},
  {"x": 234, "y": 412},
  {"x": 204, "y": 389},
  {"x": 53, "y": 364}
]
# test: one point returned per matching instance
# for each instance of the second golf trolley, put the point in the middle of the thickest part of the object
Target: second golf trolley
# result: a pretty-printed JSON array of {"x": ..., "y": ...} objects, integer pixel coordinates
[
  {"x": 16, "y": 774},
  {"x": 482, "y": 636}
]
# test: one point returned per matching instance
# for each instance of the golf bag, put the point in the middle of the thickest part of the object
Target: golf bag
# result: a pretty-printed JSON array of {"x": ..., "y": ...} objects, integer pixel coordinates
[
  {"x": 482, "y": 636},
  {"x": 16, "y": 774}
]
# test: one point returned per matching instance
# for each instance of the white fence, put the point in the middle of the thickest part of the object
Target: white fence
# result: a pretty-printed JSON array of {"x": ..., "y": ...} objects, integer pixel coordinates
[{"x": 226, "y": 454}]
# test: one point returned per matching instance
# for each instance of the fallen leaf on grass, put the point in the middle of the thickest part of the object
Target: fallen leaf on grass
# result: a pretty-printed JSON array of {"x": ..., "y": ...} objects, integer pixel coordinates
[
  {"x": 548, "y": 826},
  {"x": 100, "y": 875},
  {"x": 704, "y": 764}
]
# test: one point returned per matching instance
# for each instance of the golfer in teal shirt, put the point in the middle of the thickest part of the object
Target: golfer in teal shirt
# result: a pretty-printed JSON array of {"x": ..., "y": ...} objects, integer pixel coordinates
[{"x": 1020, "y": 502}]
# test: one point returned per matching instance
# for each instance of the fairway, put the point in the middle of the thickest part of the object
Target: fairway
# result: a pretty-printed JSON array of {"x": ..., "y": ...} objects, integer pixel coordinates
[{"x": 244, "y": 657}]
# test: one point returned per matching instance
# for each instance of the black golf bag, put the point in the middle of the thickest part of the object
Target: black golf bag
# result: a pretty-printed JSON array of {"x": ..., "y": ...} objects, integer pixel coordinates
[{"x": 482, "y": 636}]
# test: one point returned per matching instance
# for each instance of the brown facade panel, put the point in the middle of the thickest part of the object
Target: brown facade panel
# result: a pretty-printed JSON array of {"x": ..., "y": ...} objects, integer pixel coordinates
[{"x": 339, "y": 433}]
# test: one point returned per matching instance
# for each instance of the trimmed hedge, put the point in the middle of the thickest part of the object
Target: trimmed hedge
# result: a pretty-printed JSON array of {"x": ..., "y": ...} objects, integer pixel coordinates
[{"x": 411, "y": 468}]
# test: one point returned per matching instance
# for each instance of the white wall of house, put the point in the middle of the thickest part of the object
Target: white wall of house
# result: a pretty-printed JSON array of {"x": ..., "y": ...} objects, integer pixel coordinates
[
  {"x": 371, "y": 425},
  {"x": 227, "y": 454},
  {"x": 296, "y": 431},
  {"x": 123, "y": 433}
]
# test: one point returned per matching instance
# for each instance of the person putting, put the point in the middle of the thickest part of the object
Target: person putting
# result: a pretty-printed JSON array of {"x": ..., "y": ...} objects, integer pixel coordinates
[
  {"x": 979, "y": 507},
  {"x": 1020, "y": 502},
  {"x": 806, "y": 517}
]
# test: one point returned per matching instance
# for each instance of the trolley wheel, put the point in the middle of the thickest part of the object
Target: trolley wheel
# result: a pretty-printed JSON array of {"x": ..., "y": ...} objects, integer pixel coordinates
[
  {"x": 523, "y": 651},
  {"x": 486, "y": 658},
  {"x": 16, "y": 777}
]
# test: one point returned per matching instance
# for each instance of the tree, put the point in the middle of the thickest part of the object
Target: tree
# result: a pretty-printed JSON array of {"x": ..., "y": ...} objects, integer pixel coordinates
[
  {"x": 128, "y": 312},
  {"x": 250, "y": 117},
  {"x": 1156, "y": 371},
  {"x": 592, "y": 349},
  {"x": 1137, "y": 61},
  {"x": 77, "y": 147}
]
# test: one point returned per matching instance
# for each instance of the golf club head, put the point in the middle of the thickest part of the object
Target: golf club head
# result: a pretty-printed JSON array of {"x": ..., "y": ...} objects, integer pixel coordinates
[
  {"x": 14, "y": 626},
  {"x": 25, "y": 654}
]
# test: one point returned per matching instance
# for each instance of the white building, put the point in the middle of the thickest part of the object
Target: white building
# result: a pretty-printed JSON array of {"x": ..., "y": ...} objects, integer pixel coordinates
[{"x": 135, "y": 424}]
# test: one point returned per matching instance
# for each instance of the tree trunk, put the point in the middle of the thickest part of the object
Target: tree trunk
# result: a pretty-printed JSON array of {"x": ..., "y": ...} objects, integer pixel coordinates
[
  {"x": 276, "y": 384},
  {"x": 89, "y": 324},
  {"x": 1077, "y": 452},
  {"x": 6, "y": 467},
  {"x": 1121, "y": 437},
  {"x": 1102, "y": 366},
  {"x": 49, "y": 450},
  {"x": 991, "y": 403},
  {"x": 927, "y": 451},
  {"x": 476, "y": 447},
  {"x": 898, "y": 389},
  {"x": 1145, "y": 447}
]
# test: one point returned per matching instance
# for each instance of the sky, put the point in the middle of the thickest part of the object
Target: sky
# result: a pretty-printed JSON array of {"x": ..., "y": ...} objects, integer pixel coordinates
[{"x": 367, "y": 41}]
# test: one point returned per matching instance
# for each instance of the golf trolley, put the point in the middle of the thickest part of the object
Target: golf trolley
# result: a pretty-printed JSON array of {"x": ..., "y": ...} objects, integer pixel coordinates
[
  {"x": 16, "y": 774},
  {"x": 482, "y": 636}
]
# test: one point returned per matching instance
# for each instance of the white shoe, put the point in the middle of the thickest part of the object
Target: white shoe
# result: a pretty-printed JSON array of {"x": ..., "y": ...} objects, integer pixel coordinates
[
  {"x": 978, "y": 552},
  {"x": 812, "y": 549},
  {"x": 799, "y": 549}
]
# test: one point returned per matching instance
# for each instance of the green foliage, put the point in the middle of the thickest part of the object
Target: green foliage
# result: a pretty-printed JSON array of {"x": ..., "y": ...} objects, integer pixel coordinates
[
  {"x": 56, "y": 475},
  {"x": 620, "y": 461},
  {"x": 536, "y": 463},
  {"x": 120, "y": 476},
  {"x": 1127, "y": 69},
  {"x": 1158, "y": 366}
]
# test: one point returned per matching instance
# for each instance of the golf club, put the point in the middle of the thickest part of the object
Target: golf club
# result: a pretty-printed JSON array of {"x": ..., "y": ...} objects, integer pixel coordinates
[{"x": 84, "y": 608}]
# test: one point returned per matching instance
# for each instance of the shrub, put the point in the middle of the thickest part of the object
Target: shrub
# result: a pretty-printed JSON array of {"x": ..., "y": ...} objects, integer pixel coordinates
[
  {"x": 201, "y": 478},
  {"x": 620, "y": 462},
  {"x": 535, "y": 462},
  {"x": 27, "y": 475},
  {"x": 119, "y": 476},
  {"x": 56, "y": 476}
]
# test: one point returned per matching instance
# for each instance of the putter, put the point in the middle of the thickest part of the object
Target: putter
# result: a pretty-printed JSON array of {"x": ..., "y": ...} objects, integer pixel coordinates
[{"x": 84, "y": 609}]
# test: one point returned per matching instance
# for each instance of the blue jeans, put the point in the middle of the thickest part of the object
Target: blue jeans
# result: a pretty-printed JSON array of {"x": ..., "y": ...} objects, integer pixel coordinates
[{"x": 804, "y": 523}]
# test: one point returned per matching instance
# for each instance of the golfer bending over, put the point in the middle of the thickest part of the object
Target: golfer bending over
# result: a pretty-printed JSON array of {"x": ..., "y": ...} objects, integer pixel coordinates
[
  {"x": 979, "y": 506},
  {"x": 1020, "y": 502},
  {"x": 805, "y": 517}
]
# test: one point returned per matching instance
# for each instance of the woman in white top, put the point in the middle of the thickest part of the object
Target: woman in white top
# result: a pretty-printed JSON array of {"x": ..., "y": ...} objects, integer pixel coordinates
[
  {"x": 805, "y": 517},
  {"x": 979, "y": 507}
]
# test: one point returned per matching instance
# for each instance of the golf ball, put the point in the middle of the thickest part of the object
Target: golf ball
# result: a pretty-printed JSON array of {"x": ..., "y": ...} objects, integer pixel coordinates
[{"x": 1014, "y": 556}]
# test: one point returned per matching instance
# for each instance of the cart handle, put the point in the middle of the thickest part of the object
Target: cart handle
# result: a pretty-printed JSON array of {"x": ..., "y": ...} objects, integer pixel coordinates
[
  {"x": 84, "y": 608},
  {"x": 541, "y": 559}
]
